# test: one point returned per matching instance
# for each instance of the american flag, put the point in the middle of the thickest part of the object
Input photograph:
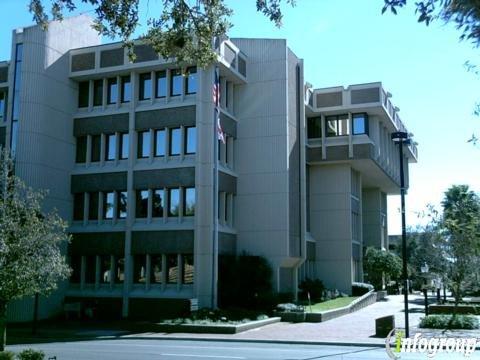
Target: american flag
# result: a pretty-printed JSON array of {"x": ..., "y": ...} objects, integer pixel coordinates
[{"x": 216, "y": 101}]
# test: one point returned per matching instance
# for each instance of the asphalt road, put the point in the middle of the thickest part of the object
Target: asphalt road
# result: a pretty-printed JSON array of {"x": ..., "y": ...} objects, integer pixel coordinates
[{"x": 210, "y": 350}]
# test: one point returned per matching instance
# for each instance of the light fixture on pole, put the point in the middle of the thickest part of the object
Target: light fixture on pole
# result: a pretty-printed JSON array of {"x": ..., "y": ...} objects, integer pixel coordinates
[
  {"x": 402, "y": 138},
  {"x": 424, "y": 270}
]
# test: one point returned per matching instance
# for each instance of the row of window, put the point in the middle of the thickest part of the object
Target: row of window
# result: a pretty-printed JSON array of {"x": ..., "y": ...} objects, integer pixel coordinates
[
  {"x": 338, "y": 125},
  {"x": 147, "y": 269},
  {"x": 158, "y": 138},
  {"x": 149, "y": 203},
  {"x": 3, "y": 101},
  {"x": 116, "y": 146},
  {"x": 119, "y": 89}
]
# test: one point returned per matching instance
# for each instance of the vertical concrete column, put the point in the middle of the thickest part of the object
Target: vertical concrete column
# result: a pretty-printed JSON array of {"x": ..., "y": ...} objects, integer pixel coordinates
[{"x": 372, "y": 217}]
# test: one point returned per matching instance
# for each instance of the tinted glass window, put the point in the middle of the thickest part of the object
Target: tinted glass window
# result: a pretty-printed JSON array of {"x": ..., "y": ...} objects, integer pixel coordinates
[
  {"x": 83, "y": 94},
  {"x": 175, "y": 140},
  {"x": 139, "y": 269},
  {"x": 144, "y": 144},
  {"x": 90, "y": 269},
  {"x": 119, "y": 270},
  {"x": 126, "y": 89},
  {"x": 360, "y": 124},
  {"x": 173, "y": 202},
  {"x": 189, "y": 202},
  {"x": 108, "y": 205},
  {"x": 105, "y": 269},
  {"x": 314, "y": 128},
  {"x": 110, "y": 142},
  {"x": 81, "y": 150},
  {"x": 176, "y": 82},
  {"x": 159, "y": 142},
  {"x": 78, "y": 206},
  {"x": 2, "y": 104},
  {"x": 158, "y": 200},
  {"x": 124, "y": 146},
  {"x": 98, "y": 92},
  {"x": 161, "y": 89},
  {"x": 190, "y": 140},
  {"x": 122, "y": 205},
  {"x": 145, "y": 86},
  {"x": 96, "y": 141},
  {"x": 76, "y": 265},
  {"x": 157, "y": 269},
  {"x": 142, "y": 204},
  {"x": 112, "y": 91},
  {"x": 172, "y": 269},
  {"x": 191, "y": 80},
  {"x": 93, "y": 206},
  {"x": 188, "y": 269}
]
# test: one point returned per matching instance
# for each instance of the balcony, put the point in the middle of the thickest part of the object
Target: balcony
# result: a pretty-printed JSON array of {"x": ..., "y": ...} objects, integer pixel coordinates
[{"x": 371, "y": 98}]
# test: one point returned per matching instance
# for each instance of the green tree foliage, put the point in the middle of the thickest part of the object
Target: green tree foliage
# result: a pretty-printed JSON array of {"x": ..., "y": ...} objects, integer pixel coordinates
[
  {"x": 465, "y": 14},
  {"x": 460, "y": 229},
  {"x": 30, "y": 258},
  {"x": 184, "y": 29},
  {"x": 380, "y": 263}
]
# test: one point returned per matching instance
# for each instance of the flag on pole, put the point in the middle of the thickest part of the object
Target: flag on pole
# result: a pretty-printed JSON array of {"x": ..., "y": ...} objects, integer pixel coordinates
[{"x": 216, "y": 101}]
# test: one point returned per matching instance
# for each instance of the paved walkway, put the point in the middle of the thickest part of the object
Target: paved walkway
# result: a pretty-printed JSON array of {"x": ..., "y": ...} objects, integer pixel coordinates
[{"x": 357, "y": 327}]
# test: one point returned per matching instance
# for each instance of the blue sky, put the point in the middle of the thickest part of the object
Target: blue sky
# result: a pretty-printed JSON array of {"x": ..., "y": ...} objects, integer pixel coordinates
[{"x": 347, "y": 42}]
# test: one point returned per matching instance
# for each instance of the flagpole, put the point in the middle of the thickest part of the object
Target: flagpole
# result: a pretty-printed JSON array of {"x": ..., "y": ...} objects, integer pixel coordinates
[{"x": 215, "y": 196}]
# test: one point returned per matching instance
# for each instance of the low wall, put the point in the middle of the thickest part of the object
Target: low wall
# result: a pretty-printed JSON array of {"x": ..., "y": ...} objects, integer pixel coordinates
[{"x": 448, "y": 309}]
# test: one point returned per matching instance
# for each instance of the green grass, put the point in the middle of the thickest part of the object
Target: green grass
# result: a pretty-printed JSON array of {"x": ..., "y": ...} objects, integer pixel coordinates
[{"x": 331, "y": 304}]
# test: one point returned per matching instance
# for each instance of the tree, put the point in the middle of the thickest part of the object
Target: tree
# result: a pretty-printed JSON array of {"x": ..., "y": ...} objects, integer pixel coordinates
[
  {"x": 182, "y": 31},
  {"x": 379, "y": 264},
  {"x": 461, "y": 231},
  {"x": 31, "y": 261}
]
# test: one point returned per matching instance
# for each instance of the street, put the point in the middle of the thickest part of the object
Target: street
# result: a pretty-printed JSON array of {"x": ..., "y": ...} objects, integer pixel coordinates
[{"x": 186, "y": 349}]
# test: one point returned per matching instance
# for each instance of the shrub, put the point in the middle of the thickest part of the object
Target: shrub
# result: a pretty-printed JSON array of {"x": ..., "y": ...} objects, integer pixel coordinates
[
  {"x": 359, "y": 289},
  {"x": 313, "y": 287},
  {"x": 7, "y": 355},
  {"x": 449, "y": 322},
  {"x": 31, "y": 354}
]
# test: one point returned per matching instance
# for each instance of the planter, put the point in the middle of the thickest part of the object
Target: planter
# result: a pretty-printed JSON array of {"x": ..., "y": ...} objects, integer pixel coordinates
[{"x": 293, "y": 317}]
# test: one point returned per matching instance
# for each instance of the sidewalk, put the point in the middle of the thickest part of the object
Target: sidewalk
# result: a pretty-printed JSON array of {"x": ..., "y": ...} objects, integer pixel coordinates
[{"x": 356, "y": 328}]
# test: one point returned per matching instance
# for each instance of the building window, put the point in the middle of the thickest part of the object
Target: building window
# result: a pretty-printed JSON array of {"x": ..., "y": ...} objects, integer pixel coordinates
[
  {"x": 160, "y": 142},
  {"x": 81, "y": 150},
  {"x": 108, "y": 205},
  {"x": 161, "y": 89},
  {"x": 110, "y": 147},
  {"x": 226, "y": 208},
  {"x": 142, "y": 204},
  {"x": 156, "y": 269},
  {"x": 172, "y": 268},
  {"x": 188, "y": 269},
  {"x": 337, "y": 125},
  {"x": 3, "y": 97},
  {"x": 314, "y": 128},
  {"x": 143, "y": 144},
  {"x": 112, "y": 91},
  {"x": 98, "y": 92},
  {"x": 124, "y": 146},
  {"x": 189, "y": 202},
  {"x": 191, "y": 80},
  {"x": 96, "y": 144},
  {"x": 139, "y": 269},
  {"x": 126, "y": 89},
  {"x": 176, "y": 82},
  {"x": 90, "y": 269},
  {"x": 122, "y": 204},
  {"x": 83, "y": 94},
  {"x": 119, "y": 270},
  {"x": 158, "y": 203},
  {"x": 190, "y": 140},
  {"x": 78, "y": 206},
  {"x": 173, "y": 202},
  {"x": 175, "y": 139},
  {"x": 93, "y": 206},
  {"x": 76, "y": 265},
  {"x": 360, "y": 124},
  {"x": 145, "y": 86},
  {"x": 106, "y": 269}
]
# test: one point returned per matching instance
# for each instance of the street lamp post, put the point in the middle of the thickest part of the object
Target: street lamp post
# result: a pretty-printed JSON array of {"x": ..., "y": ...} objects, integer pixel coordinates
[
  {"x": 424, "y": 270},
  {"x": 402, "y": 138}
]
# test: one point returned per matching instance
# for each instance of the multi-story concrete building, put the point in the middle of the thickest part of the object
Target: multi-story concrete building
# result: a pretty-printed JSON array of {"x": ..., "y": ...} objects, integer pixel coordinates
[{"x": 126, "y": 151}]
